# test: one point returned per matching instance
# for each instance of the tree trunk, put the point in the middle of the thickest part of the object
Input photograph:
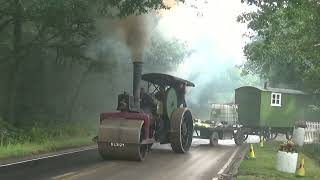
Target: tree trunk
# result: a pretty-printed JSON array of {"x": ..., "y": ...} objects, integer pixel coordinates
[
  {"x": 76, "y": 94},
  {"x": 43, "y": 72},
  {"x": 16, "y": 64}
]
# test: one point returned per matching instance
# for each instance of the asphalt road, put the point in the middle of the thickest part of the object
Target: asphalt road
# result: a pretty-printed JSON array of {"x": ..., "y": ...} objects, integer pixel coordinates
[{"x": 201, "y": 163}]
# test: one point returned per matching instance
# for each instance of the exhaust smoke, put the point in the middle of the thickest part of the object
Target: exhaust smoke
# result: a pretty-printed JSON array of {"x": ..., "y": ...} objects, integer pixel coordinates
[
  {"x": 136, "y": 32},
  {"x": 137, "y": 29}
]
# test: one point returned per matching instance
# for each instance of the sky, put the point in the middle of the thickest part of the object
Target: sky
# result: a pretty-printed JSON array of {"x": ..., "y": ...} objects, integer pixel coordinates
[{"x": 211, "y": 30}]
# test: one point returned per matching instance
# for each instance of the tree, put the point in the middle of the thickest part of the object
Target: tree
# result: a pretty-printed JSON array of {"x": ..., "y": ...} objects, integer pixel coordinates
[
  {"x": 59, "y": 27},
  {"x": 164, "y": 55},
  {"x": 285, "y": 38}
]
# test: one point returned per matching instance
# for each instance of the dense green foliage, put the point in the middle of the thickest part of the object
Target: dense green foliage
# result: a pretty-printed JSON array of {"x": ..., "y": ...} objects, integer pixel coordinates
[
  {"x": 284, "y": 43},
  {"x": 42, "y": 138},
  {"x": 41, "y": 133},
  {"x": 49, "y": 145},
  {"x": 64, "y": 62},
  {"x": 55, "y": 55}
]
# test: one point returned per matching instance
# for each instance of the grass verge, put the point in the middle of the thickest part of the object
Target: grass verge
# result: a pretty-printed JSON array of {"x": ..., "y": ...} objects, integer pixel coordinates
[
  {"x": 38, "y": 138},
  {"x": 264, "y": 166},
  {"x": 313, "y": 150},
  {"x": 29, "y": 148}
]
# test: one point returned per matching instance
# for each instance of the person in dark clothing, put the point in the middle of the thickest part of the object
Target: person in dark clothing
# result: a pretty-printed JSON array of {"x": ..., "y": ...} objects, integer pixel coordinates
[
  {"x": 147, "y": 101},
  {"x": 160, "y": 94},
  {"x": 181, "y": 91}
]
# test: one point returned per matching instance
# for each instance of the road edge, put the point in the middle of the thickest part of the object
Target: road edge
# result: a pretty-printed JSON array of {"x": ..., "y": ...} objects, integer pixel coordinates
[
  {"x": 21, "y": 160},
  {"x": 230, "y": 169}
]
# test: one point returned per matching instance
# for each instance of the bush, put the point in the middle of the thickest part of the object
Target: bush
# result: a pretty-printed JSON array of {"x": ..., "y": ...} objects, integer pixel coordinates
[{"x": 40, "y": 133}]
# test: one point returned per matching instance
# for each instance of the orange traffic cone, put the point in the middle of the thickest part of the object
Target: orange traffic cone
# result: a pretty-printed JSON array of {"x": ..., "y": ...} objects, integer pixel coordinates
[
  {"x": 300, "y": 171},
  {"x": 251, "y": 153}
]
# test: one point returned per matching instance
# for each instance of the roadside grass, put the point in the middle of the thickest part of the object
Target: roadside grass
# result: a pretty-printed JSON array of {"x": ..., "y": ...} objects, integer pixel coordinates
[
  {"x": 313, "y": 150},
  {"x": 38, "y": 139},
  {"x": 264, "y": 166},
  {"x": 29, "y": 148}
]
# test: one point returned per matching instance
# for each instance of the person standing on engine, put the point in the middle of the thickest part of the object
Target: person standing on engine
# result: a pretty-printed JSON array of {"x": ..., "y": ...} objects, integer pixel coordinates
[
  {"x": 181, "y": 92},
  {"x": 147, "y": 101}
]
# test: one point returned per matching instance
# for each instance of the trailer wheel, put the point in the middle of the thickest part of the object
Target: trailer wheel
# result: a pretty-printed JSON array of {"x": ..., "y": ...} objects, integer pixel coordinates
[
  {"x": 214, "y": 139},
  {"x": 269, "y": 136},
  {"x": 246, "y": 137},
  {"x": 239, "y": 137},
  {"x": 289, "y": 135}
]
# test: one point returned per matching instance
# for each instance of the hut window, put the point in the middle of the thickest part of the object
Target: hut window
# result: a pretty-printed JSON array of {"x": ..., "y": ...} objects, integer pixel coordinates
[{"x": 275, "y": 99}]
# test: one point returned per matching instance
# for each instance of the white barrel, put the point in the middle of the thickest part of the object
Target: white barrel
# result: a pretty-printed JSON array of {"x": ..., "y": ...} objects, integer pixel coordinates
[
  {"x": 298, "y": 136},
  {"x": 287, "y": 162}
]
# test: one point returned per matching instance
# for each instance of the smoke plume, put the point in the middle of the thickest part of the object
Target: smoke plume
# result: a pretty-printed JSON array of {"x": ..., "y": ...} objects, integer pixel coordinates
[
  {"x": 137, "y": 29},
  {"x": 136, "y": 33}
]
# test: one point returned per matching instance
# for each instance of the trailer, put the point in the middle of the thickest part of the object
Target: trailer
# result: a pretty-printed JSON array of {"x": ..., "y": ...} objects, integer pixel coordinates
[
  {"x": 223, "y": 124},
  {"x": 269, "y": 111},
  {"x": 265, "y": 112}
]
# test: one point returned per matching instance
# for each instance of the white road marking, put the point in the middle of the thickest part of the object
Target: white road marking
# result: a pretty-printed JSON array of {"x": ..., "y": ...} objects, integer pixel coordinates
[
  {"x": 63, "y": 175},
  {"x": 215, "y": 178},
  {"x": 46, "y": 157},
  {"x": 229, "y": 161}
]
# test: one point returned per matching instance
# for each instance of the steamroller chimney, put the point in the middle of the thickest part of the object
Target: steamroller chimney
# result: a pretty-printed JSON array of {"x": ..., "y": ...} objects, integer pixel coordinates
[{"x": 137, "y": 71}]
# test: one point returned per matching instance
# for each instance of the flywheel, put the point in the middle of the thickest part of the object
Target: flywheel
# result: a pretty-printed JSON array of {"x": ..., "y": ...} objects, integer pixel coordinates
[{"x": 171, "y": 101}]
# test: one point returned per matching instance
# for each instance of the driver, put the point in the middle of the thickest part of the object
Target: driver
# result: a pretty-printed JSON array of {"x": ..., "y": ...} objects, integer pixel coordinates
[
  {"x": 181, "y": 91},
  {"x": 147, "y": 102}
]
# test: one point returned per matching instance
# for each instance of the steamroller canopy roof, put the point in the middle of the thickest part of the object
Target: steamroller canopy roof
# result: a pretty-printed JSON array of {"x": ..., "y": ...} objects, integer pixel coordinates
[{"x": 165, "y": 79}]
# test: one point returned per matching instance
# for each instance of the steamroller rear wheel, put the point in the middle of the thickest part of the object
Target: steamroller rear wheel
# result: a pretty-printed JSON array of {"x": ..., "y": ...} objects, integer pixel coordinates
[{"x": 181, "y": 130}]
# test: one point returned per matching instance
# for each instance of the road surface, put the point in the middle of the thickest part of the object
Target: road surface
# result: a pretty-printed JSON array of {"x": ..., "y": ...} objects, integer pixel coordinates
[{"x": 201, "y": 163}]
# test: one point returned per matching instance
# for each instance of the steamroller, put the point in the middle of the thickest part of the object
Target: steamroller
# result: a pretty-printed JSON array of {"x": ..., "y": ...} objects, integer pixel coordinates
[{"x": 156, "y": 113}]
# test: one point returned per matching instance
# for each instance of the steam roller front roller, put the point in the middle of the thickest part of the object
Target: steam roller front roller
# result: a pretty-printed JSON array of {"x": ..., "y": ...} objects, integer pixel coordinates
[
  {"x": 122, "y": 139},
  {"x": 181, "y": 130}
]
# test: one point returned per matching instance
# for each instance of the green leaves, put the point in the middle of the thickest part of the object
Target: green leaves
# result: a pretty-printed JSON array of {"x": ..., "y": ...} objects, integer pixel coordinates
[
  {"x": 283, "y": 48},
  {"x": 312, "y": 80},
  {"x": 123, "y": 8},
  {"x": 65, "y": 25},
  {"x": 163, "y": 55}
]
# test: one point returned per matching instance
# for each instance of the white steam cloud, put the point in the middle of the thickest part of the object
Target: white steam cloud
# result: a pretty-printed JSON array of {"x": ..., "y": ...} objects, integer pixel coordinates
[{"x": 210, "y": 28}]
